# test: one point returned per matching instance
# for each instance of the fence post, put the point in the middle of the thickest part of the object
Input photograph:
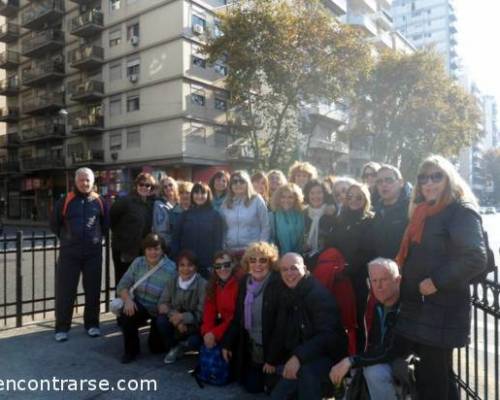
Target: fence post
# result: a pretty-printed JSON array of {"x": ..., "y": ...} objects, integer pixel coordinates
[
  {"x": 107, "y": 271},
  {"x": 19, "y": 279}
]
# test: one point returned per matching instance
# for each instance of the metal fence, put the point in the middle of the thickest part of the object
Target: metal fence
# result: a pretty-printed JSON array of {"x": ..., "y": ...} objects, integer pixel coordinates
[{"x": 27, "y": 282}]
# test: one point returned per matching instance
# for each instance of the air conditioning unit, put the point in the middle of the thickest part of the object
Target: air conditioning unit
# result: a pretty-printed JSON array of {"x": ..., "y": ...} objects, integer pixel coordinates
[
  {"x": 133, "y": 78},
  {"x": 134, "y": 40},
  {"x": 198, "y": 29}
]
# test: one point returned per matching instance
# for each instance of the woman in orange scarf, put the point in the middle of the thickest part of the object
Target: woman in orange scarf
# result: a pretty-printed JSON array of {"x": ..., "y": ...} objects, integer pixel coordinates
[{"x": 442, "y": 250}]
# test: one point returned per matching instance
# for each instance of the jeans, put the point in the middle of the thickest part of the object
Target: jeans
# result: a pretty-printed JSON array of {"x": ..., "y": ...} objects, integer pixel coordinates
[
  {"x": 172, "y": 337},
  {"x": 379, "y": 381}
]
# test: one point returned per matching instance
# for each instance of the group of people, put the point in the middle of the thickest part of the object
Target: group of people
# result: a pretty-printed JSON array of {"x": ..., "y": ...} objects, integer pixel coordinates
[{"x": 295, "y": 281}]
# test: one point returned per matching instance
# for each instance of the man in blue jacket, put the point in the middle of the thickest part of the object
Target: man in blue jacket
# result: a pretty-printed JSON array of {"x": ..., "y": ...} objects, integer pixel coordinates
[{"x": 80, "y": 221}]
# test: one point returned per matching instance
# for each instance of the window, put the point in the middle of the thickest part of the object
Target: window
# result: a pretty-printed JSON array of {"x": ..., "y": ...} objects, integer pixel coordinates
[
  {"x": 198, "y": 99},
  {"x": 114, "y": 5},
  {"x": 197, "y": 133},
  {"x": 115, "y": 140},
  {"x": 115, "y": 105},
  {"x": 115, "y": 37},
  {"x": 133, "y": 66},
  {"x": 220, "y": 68},
  {"x": 197, "y": 20},
  {"x": 133, "y": 102},
  {"x": 199, "y": 62},
  {"x": 133, "y": 137},
  {"x": 220, "y": 104},
  {"x": 115, "y": 71},
  {"x": 133, "y": 30}
]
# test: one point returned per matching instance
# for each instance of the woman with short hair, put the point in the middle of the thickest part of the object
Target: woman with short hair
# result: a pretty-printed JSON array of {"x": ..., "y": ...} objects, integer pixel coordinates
[
  {"x": 276, "y": 178},
  {"x": 166, "y": 209},
  {"x": 302, "y": 172},
  {"x": 185, "y": 188}
]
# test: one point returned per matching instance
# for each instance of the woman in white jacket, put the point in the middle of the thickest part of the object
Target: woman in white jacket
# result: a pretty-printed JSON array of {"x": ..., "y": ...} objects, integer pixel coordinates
[{"x": 245, "y": 214}]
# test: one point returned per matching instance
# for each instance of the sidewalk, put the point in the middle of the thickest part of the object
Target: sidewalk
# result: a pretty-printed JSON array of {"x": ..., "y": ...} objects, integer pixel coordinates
[{"x": 31, "y": 353}]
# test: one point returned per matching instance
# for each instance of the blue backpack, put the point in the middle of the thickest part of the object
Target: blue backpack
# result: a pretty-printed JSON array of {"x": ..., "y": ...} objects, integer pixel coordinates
[{"x": 212, "y": 368}]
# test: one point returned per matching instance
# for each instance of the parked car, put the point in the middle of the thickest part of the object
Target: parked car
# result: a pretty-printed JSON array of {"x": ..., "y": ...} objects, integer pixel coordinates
[{"x": 491, "y": 210}]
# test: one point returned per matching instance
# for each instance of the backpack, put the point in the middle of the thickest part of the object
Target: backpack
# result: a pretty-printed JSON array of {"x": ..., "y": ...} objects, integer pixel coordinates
[{"x": 212, "y": 368}]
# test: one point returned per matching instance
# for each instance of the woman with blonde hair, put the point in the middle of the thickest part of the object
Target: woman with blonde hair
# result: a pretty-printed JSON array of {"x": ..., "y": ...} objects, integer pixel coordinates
[
  {"x": 287, "y": 219},
  {"x": 185, "y": 188},
  {"x": 250, "y": 333},
  {"x": 245, "y": 214},
  {"x": 261, "y": 185},
  {"x": 302, "y": 172},
  {"x": 166, "y": 209},
  {"x": 276, "y": 178},
  {"x": 442, "y": 249}
]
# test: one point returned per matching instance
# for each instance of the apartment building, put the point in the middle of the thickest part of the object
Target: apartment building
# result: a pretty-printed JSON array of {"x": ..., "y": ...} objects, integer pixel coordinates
[{"x": 117, "y": 85}]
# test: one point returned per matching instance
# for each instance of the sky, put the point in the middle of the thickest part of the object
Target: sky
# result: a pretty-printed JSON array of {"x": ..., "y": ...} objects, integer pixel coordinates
[{"x": 478, "y": 34}]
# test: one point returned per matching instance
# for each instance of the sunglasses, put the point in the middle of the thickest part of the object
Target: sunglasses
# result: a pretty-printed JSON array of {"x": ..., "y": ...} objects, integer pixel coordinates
[
  {"x": 260, "y": 260},
  {"x": 357, "y": 198},
  {"x": 146, "y": 185},
  {"x": 238, "y": 181},
  {"x": 224, "y": 265},
  {"x": 435, "y": 177},
  {"x": 388, "y": 179}
]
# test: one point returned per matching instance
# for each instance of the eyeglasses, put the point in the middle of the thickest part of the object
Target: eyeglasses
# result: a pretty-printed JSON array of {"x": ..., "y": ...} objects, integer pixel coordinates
[
  {"x": 435, "y": 177},
  {"x": 357, "y": 198},
  {"x": 146, "y": 185},
  {"x": 388, "y": 179},
  {"x": 260, "y": 260},
  {"x": 369, "y": 175},
  {"x": 224, "y": 265},
  {"x": 238, "y": 181}
]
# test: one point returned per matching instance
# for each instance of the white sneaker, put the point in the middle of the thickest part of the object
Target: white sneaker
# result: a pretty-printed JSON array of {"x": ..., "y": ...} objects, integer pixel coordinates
[
  {"x": 174, "y": 354},
  {"x": 61, "y": 336},
  {"x": 94, "y": 332}
]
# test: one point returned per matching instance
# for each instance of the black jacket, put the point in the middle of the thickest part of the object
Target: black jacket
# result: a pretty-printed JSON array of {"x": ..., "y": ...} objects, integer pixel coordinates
[
  {"x": 451, "y": 253},
  {"x": 308, "y": 325}
]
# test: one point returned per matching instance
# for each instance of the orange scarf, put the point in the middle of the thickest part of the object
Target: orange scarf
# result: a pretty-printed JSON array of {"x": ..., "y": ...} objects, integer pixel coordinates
[{"x": 415, "y": 228}]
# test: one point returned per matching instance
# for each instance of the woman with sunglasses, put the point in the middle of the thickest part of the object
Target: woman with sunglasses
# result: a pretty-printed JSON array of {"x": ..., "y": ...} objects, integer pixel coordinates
[
  {"x": 250, "y": 333},
  {"x": 131, "y": 220},
  {"x": 199, "y": 229},
  {"x": 369, "y": 178},
  {"x": 442, "y": 249},
  {"x": 166, "y": 209},
  {"x": 219, "y": 187},
  {"x": 245, "y": 214}
]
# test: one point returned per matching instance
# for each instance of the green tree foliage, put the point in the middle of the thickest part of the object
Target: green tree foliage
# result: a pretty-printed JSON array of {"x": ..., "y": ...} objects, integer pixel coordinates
[
  {"x": 412, "y": 108},
  {"x": 491, "y": 162},
  {"x": 281, "y": 55}
]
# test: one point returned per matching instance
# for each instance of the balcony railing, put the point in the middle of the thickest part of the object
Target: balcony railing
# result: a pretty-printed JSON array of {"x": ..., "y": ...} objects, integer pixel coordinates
[
  {"x": 9, "y": 114},
  {"x": 47, "y": 103},
  {"x": 42, "y": 43},
  {"x": 41, "y": 73},
  {"x": 86, "y": 90},
  {"x": 87, "y": 24},
  {"x": 364, "y": 23},
  {"x": 88, "y": 157},
  {"x": 9, "y": 8},
  {"x": 42, "y": 13},
  {"x": 9, "y": 59},
  {"x": 86, "y": 57},
  {"x": 9, "y": 140},
  {"x": 38, "y": 163},
  {"x": 45, "y": 130},
  {"x": 9, "y": 32},
  {"x": 87, "y": 121},
  {"x": 9, "y": 86},
  {"x": 9, "y": 167}
]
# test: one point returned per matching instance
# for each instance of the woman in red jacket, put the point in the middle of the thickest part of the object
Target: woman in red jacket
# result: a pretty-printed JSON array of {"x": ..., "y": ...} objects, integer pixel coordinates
[{"x": 220, "y": 300}]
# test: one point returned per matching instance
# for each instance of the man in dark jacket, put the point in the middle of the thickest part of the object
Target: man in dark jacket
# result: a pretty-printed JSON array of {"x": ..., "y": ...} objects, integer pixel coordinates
[
  {"x": 308, "y": 335},
  {"x": 79, "y": 221},
  {"x": 380, "y": 319},
  {"x": 391, "y": 213}
]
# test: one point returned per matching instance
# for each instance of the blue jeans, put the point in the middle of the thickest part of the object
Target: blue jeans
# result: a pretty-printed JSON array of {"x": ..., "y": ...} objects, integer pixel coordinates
[
  {"x": 172, "y": 336},
  {"x": 308, "y": 382},
  {"x": 380, "y": 382}
]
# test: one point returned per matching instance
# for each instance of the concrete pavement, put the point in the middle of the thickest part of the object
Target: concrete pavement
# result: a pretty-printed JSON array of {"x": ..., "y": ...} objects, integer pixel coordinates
[{"x": 30, "y": 353}]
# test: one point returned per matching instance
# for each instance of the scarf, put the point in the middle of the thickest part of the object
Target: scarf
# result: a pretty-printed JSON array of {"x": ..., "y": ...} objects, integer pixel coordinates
[
  {"x": 313, "y": 237},
  {"x": 184, "y": 285},
  {"x": 254, "y": 288},
  {"x": 415, "y": 228},
  {"x": 289, "y": 230}
]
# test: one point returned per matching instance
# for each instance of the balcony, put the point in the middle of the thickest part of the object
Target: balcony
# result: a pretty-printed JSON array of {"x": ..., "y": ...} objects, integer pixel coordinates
[
  {"x": 42, "y": 73},
  {"x": 42, "y": 43},
  {"x": 9, "y": 32},
  {"x": 9, "y": 86},
  {"x": 88, "y": 157},
  {"x": 9, "y": 140},
  {"x": 87, "y": 122},
  {"x": 9, "y": 167},
  {"x": 83, "y": 2},
  {"x": 43, "y": 131},
  {"x": 9, "y": 114},
  {"x": 362, "y": 6},
  {"x": 338, "y": 7},
  {"x": 383, "y": 41},
  {"x": 42, "y": 13},
  {"x": 9, "y": 8},
  {"x": 86, "y": 57},
  {"x": 384, "y": 20},
  {"x": 40, "y": 163},
  {"x": 9, "y": 59},
  {"x": 42, "y": 105},
  {"x": 87, "y": 24},
  {"x": 334, "y": 146},
  {"x": 87, "y": 91},
  {"x": 364, "y": 23}
]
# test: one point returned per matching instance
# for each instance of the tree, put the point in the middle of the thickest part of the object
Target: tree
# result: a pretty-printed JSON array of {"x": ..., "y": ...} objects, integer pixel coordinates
[
  {"x": 280, "y": 56},
  {"x": 491, "y": 162},
  {"x": 412, "y": 108}
]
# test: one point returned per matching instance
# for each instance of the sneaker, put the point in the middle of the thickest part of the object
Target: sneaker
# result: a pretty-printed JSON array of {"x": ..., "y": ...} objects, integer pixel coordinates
[
  {"x": 174, "y": 354},
  {"x": 61, "y": 336},
  {"x": 94, "y": 332}
]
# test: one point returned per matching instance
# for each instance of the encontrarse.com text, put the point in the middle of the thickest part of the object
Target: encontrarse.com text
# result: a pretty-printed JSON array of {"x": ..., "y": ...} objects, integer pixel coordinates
[{"x": 77, "y": 385}]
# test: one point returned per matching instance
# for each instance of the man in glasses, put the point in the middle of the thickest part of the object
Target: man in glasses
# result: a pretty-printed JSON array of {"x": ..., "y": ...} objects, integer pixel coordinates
[
  {"x": 79, "y": 221},
  {"x": 391, "y": 212},
  {"x": 308, "y": 336}
]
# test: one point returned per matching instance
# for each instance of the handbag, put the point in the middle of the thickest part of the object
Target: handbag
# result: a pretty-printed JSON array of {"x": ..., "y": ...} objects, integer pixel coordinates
[
  {"x": 116, "y": 305},
  {"x": 212, "y": 368},
  {"x": 357, "y": 389}
]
